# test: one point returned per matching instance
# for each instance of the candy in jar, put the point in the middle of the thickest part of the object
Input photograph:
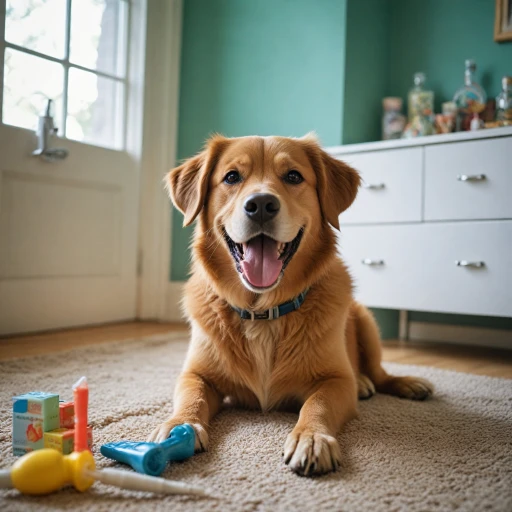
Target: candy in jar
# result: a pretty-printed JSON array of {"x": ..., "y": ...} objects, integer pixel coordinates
[
  {"x": 393, "y": 121},
  {"x": 421, "y": 101}
]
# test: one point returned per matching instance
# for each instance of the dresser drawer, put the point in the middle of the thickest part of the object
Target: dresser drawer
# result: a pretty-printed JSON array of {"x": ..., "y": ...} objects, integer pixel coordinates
[
  {"x": 414, "y": 267},
  {"x": 469, "y": 180},
  {"x": 391, "y": 190}
]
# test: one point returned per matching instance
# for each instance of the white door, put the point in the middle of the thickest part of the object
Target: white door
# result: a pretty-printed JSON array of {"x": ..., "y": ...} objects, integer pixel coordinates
[{"x": 68, "y": 228}]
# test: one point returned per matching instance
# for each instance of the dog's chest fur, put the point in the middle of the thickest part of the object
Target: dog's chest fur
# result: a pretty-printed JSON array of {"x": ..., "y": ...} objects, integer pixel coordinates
[{"x": 262, "y": 339}]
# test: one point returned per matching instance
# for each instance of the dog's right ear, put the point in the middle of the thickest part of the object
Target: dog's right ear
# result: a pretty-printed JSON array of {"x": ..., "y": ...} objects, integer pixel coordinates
[{"x": 188, "y": 184}]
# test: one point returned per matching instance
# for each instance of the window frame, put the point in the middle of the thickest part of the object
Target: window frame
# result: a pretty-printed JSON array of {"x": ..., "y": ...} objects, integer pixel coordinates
[{"x": 67, "y": 64}]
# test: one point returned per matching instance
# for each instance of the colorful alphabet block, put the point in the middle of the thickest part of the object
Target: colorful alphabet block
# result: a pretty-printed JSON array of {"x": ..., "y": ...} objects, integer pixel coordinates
[
  {"x": 33, "y": 414},
  {"x": 67, "y": 414},
  {"x": 63, "y": 439}
]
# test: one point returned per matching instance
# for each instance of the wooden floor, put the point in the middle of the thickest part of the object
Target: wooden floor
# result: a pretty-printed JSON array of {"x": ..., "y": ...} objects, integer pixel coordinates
[{"x": 482, "y": 361}]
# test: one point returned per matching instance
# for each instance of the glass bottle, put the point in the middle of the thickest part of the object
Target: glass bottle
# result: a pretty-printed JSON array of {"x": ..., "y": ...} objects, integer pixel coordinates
[
  {"x": 393, "y": 121},
  {"x": 421, "y": 101},
  {"x": 470, "y": 98},
  {"x": 504, "y": 102}
]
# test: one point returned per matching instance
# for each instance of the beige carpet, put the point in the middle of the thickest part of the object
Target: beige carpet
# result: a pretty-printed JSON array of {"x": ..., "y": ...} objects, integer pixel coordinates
[{"x": 453, "y": 452}]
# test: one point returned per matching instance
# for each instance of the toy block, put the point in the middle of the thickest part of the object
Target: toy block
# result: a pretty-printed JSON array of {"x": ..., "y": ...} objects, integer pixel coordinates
[
  {"x": 33, "y": 414},
  {"x": 67, "y": 414},
  {"x": 63, "y": 439}
]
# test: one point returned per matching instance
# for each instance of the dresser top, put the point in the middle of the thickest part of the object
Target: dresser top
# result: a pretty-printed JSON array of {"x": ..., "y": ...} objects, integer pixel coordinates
[{"x": 420, "y": 141}]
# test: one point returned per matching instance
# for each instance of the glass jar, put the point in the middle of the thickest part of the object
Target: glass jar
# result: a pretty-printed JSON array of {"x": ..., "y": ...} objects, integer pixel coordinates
[
  {"x": 445, "y": 122},
  {"x": 393, "y": 121},
  {"x": 421, "y": 101},
  {"x": 470, "y": 98},
  {"x": 504, "y": 102}
]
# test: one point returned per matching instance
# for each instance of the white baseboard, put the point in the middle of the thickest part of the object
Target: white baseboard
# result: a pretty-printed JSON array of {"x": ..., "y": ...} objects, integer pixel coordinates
[
  {"x": 174, "y": 294},
  {"x": 460, "y": 334}
]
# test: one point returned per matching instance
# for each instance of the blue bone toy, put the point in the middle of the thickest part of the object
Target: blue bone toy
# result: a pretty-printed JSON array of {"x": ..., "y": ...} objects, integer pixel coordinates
[{"x": 151, "y": 458}]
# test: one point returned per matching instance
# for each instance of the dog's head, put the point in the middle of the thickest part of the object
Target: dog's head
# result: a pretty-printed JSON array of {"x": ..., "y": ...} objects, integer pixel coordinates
[{"x": 265, "y": 207}]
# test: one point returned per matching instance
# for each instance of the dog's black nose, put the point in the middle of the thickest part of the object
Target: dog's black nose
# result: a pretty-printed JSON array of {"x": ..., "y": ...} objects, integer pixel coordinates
[{"x": 261, "y": 207}]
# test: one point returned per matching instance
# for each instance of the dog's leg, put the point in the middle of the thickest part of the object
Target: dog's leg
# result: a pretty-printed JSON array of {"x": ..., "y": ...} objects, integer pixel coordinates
[
  {"x": 365, "y": 387},
  {"x": 368, "y": 340},
  {"x": 312, "y": 448},
  {"x": 195, "y": 402}
]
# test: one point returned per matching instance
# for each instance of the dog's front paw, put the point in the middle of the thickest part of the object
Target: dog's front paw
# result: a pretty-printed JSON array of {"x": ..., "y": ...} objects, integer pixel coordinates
[
  {"x": 310, "y": 453},
  {"x": 161, "y": 433}
]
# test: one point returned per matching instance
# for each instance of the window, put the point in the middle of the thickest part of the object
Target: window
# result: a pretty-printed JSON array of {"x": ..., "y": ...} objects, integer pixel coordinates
[{"x": 73, "y": 52}]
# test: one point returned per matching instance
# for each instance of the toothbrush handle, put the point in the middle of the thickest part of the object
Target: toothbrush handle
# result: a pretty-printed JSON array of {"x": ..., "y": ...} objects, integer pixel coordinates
[
  {"x": 5, "y": 479},
  {"x": 137, "y": 482}
]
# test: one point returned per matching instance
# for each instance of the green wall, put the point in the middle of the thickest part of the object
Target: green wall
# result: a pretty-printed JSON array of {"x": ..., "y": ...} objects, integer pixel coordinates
[
  {"x": 401, "y": 37},
  {"x": 266, "y": 67},
  {"x": 436, "y": 36},
  {"x": 366, "y": 71}
]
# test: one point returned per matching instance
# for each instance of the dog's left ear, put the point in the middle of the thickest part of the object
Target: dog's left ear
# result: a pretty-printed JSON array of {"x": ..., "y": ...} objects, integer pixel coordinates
[
  {"x": 188, "y": 184},
  {"x": 337, "y": 182}
]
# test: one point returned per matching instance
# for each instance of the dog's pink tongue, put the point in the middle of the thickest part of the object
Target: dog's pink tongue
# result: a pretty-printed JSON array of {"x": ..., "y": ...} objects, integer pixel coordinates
[{"x": 261, "y": 265}]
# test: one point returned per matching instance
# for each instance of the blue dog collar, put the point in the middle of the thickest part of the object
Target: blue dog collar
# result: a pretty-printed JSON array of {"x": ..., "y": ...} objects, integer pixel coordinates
[{"x": 275, "y": 312}]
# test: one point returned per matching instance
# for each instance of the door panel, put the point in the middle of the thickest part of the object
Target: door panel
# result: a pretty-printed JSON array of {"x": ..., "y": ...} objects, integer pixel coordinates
[
  {"x": 68, "y": 235},
  {"x": 55, "y": 228}
]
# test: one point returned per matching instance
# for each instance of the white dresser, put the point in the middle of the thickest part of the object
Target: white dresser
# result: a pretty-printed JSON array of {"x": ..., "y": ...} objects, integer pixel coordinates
[{"x": 431, "y": 229}]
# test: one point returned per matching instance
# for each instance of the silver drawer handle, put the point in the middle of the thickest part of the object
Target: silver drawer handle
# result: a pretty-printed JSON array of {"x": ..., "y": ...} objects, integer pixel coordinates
[
  {"x": 472, "y": 264},
  {"x": 374, "y": 186},
  {"x": 471, "y": 177},
  {"x": 372, "y": 263}
]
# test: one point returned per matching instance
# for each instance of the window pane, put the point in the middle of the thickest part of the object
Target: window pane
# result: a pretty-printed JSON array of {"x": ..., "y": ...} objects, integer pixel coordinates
[
  {"x": 28, "y": 83},
  {"x": 95, "y": 109},
  {"x": 98, "y": 35},
  {"x": 39, "y": 25}
]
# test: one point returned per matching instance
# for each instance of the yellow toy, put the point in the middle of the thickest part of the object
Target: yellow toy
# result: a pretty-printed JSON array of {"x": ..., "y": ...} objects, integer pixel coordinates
[{"x": 47, "y": 470}]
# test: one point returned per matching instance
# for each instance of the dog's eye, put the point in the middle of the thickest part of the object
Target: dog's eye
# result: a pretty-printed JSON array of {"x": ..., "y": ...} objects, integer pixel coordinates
[
  {"x": 293, "y": 177},
  {"x": 232, "y": 177}
]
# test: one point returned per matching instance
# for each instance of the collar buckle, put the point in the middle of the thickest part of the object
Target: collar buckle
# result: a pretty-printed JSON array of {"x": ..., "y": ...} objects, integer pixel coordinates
[{"x": 259, "y": 315}]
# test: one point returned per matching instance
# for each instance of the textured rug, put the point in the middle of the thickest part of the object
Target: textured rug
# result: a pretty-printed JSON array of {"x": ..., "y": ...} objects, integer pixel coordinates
[{"x": 453, "y": 452}]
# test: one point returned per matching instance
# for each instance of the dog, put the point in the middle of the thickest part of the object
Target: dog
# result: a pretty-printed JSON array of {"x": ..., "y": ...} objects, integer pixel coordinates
[{"x": 273, "y": 321}]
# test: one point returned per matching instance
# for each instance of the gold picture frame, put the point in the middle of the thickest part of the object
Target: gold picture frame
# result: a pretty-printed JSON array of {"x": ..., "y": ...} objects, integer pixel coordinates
[{"x": 503, "y": 21}]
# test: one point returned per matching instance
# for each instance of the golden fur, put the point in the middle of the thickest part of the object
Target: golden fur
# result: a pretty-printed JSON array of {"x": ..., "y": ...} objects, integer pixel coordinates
[{"x": 317, "y": 359}]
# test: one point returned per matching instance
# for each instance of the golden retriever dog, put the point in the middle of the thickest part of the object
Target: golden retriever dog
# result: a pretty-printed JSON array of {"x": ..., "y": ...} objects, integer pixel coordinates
[{"x": 273, "y": 321}]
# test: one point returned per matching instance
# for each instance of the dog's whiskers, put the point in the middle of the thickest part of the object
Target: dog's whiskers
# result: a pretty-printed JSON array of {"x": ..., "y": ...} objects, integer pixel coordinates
[{"x": 213, "y": 252}]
